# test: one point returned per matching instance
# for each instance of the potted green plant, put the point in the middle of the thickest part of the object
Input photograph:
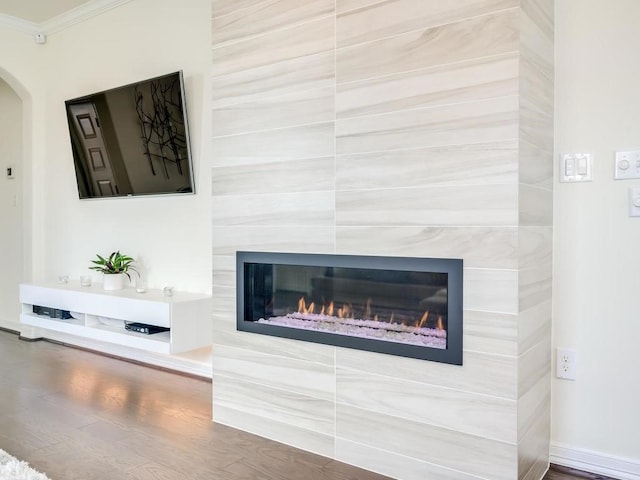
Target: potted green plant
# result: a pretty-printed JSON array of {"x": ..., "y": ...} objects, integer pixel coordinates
[{"x": 114, "y": 267}]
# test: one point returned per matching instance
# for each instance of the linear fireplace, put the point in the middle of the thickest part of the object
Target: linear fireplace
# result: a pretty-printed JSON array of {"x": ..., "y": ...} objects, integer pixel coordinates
[{"x": 410, "y": 307}]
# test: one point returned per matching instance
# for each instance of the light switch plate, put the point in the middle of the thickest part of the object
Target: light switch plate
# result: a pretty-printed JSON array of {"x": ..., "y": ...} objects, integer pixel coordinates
[
  {"x": 634, "y": 202},
  {"x": 627, "y": 165},
  {"x": 576, "y": 167}
]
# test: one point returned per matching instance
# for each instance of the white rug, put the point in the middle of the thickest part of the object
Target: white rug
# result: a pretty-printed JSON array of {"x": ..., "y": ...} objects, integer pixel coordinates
[{"x": 13, "y": 469}]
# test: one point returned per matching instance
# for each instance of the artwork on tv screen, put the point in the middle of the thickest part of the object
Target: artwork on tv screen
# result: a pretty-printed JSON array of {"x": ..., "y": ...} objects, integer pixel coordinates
[{"x": 132, "y": 140}]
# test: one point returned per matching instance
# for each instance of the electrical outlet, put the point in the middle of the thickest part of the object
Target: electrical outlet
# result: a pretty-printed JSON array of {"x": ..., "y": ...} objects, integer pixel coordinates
[{"x": 566, "y": 364}]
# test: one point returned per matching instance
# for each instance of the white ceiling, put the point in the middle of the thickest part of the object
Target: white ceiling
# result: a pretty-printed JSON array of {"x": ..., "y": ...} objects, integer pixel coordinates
[
  {"x": 41, "y": 18},
  {"x": 38, "y": 11}
]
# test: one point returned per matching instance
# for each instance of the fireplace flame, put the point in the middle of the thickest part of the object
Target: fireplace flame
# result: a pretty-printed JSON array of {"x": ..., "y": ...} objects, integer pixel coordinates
[
  {"x": 423, "y": 319},
  {"x": 303, "y": 308},
  {"x": 324, "y": 310},
  {"x": 344, "y": 311},
  {"x": 440, "y": 325}
]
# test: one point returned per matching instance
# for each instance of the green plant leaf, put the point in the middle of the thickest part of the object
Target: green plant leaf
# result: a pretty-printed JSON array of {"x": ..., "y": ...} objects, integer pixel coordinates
[{"x": 114, "y": 263}]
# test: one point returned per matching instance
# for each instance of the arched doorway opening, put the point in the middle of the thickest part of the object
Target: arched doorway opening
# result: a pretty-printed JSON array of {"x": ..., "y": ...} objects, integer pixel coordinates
[{"x": 15, "y": 174}]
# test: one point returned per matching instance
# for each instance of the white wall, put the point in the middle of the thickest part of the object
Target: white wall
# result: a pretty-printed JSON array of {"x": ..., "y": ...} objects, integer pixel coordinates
[
  {"x": 597, "y": 246},
  {"x": 170, "y": 234},
  {"x": 10, "y": 203},
  {"x": 20, "y": 68}
]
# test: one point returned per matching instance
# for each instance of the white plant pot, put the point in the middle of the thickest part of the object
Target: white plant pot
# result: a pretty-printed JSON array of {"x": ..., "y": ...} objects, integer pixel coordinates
[{"x": 113, "y": 281}]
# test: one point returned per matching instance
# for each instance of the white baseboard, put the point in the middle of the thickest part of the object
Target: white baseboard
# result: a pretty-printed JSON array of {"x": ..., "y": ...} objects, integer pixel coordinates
[
  {"x": 10, "y": 325},
  {"x": 180, "y": 363},
  {"x": 595, "y": 462}
]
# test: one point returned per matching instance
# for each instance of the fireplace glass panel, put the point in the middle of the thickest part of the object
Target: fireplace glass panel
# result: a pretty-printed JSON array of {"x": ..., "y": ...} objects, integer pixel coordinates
[{"x": 382, "y": 304}]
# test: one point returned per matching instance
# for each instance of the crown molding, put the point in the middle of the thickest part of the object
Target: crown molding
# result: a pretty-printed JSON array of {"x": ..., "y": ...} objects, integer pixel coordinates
[
  {"x": 91, "y": 9},
  {"x": 19, "y": 24}
]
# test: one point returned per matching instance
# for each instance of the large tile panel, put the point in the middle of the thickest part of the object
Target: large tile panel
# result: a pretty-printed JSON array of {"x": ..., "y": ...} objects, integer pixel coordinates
[
  {"x": 306, "y": 209},
  {"x": 440, "y": 446},
  {"x": 477, "y": 79},
  {"x": 480, "y": 373},
  {"x": 438, "y": 206},
  {"x": 475, "y": 122},
  {"x": 275, "y": 46},
  {"x": 490, "y": 332},
  {"x": 283, "y": 347},
  {"x": 363, "y": 21},
  {"x": 535, "y": 246},
  {"x": 395, "y": 465},
  {"x": 534, "y": 324},
  {"x": 539, "y": 468},
  {"x": 224, "y": 305},
  {"x": 536, "y": 206},
  {"x": 533, "y": 449},
  {"x": 482, "y": 164},
  {"x": 533, "y": 405},
  {"x": 302, "y": 377},
  {"x": 454, "y": 42},
  {"x": 304, "y": 175},
  {"x": 536, "y": 165},
  {"x": 250, "y": 85},
  {"x": 536, "y": 84},
  {"x": 224, "y": 7},
  {"x": 264, "y": 16},
  {"x": 307, "y": 141},
  {"x": 227, "y": 240},
  {"x": 479, "y": 247},
  {"x": 301, "y": 411},
  {"x": 536, "y": 31},
  {"x": 300, "y": 107},
  {"x": 541, "y": 14},
  {"x": 224, "y": 270},
  {"x": 282, "y": 432},
  {"x": 536, "y": 127},
  {"x": 491, "y": 290},
  {"x": 534, "y": 364},
  {"x": 535, "y": 286},
  {"x": 472, "y": 413}
]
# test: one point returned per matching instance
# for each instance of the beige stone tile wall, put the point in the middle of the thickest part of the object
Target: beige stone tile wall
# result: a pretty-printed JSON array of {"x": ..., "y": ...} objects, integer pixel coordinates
[{"x": 390, "y": 127}]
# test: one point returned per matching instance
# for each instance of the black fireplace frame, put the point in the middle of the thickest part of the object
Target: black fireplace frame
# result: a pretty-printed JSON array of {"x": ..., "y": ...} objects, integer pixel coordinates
[{"x": 452, "y": 267}]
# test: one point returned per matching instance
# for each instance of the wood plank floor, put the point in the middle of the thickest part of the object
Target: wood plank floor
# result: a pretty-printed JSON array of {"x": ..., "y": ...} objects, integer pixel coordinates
[
  {"x": 563, "y": 473},
  {"x": 78, "y": 415}
]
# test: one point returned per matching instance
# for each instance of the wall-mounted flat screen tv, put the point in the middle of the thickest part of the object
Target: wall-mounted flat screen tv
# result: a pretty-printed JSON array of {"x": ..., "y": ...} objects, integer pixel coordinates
[{"x": 132, "y": 140}]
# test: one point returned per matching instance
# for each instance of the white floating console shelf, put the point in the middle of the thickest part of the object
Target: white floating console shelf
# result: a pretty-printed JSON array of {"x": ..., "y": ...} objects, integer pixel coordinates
[{"x": 101, "y": 315}]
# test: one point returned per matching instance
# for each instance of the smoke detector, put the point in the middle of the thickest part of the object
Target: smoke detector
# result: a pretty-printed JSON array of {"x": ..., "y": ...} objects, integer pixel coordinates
[{"x": 40, "y": 38}]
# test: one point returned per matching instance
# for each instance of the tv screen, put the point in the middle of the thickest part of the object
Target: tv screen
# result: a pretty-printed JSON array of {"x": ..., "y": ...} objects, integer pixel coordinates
[{"x": 132, "y": 140}]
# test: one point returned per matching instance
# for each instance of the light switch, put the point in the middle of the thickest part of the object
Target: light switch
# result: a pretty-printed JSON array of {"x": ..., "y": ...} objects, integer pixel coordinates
[
  {"x": 576, "y": 167},
  {"x": 583, "y": 166},
  {"x": 570, "y": 167}
]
